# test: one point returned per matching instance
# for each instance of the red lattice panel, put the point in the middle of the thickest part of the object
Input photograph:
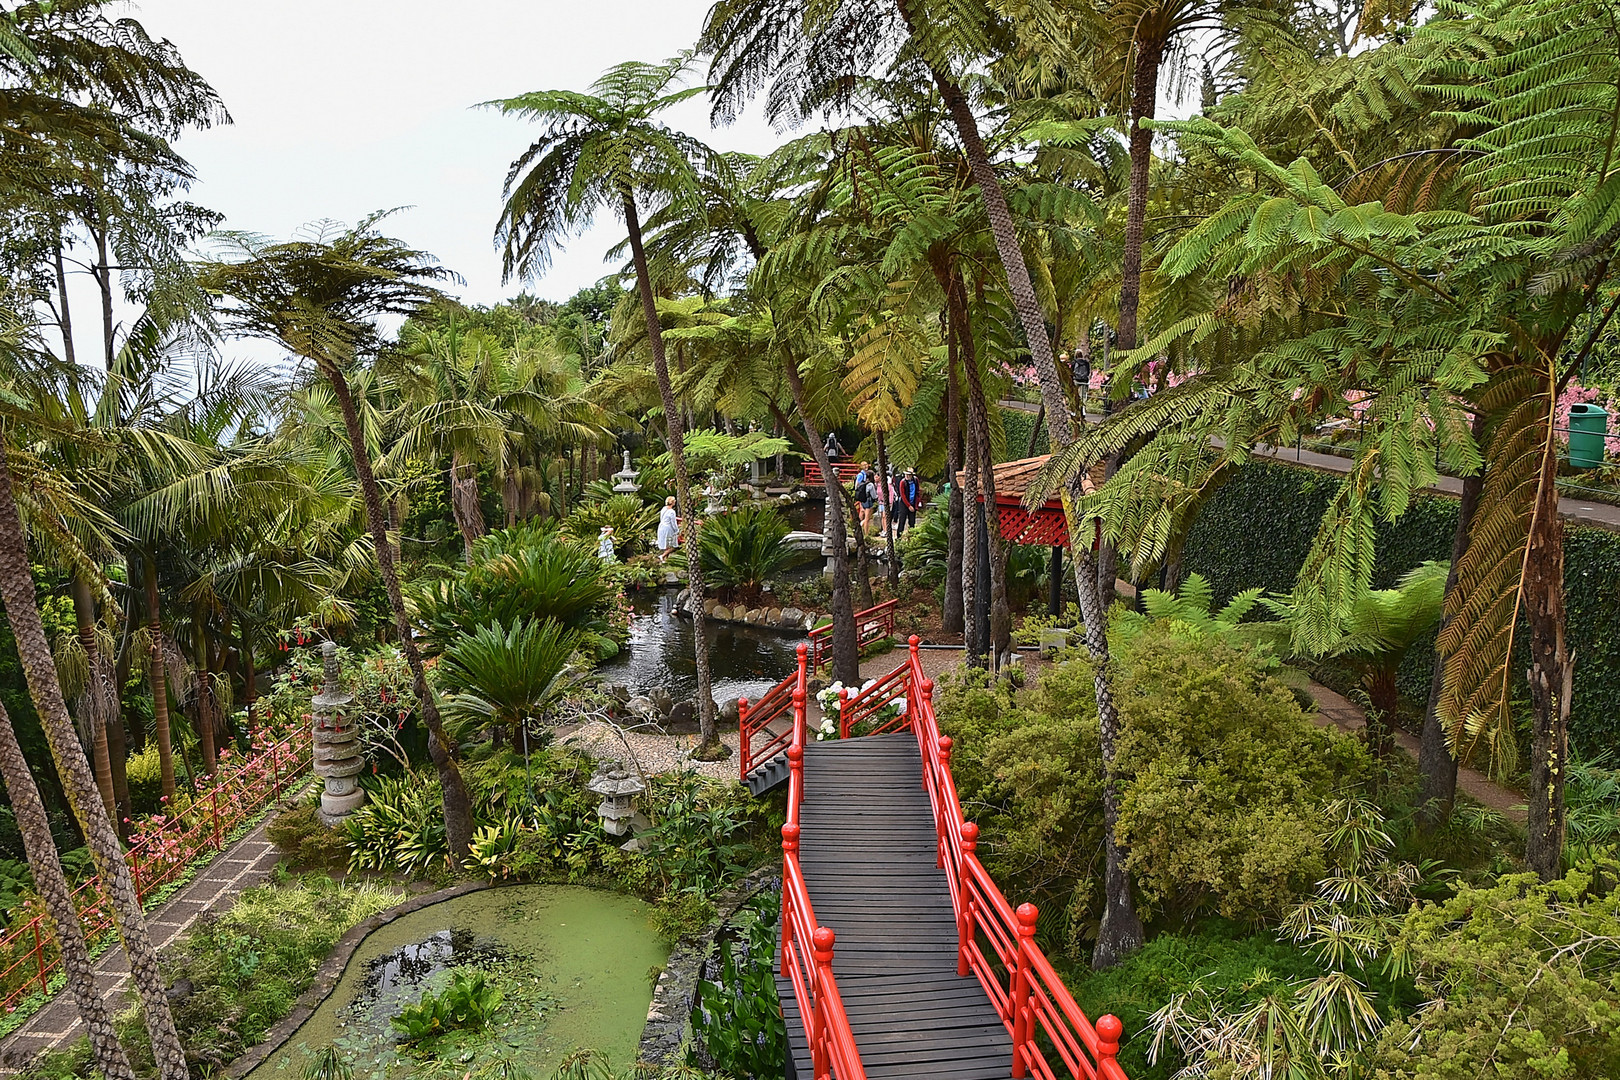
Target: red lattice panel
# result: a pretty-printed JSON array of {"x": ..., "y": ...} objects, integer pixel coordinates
[{"x": 1046, "y": 527}]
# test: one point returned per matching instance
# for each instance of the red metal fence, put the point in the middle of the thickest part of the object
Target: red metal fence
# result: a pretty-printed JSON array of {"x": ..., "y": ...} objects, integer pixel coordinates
[
  {"x": 873, "y": 624},
  {"x": 162, "y": 849}
]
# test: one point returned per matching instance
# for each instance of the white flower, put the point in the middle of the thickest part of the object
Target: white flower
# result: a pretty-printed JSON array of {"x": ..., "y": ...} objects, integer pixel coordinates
[
  {"x": 820, "y": 735},
  {"x": 899, "y": 704},
  {"x": 867, "y": 685}
]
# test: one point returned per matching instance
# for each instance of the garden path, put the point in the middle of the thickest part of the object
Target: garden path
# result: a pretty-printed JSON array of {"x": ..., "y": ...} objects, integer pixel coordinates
[{"x": 244, "y": 864}]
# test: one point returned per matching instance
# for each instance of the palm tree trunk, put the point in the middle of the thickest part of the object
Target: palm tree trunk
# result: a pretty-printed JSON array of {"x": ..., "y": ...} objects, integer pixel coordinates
[
  {"x": 104, "y": 281},
  {"x": 1437, "y": 767},
  {"x": 158, "y": 675},
  {"x": 22, "y": 612},
  {"x": 464, "y": 502},
  {"x": 93, "y": 703},
  {"x": 457, "y": 803},
  {"x": 846, "y": 650},
  {"x": 710, "y": 748},
  {"x": 979, "y": 421},
  {"x": 973, "y": 637},
  {"x": 1144, "y": 99},
  {"x": 951, "y": 616},
  {"x": 205, "y": 693},
  {"x": 1019, "y": 285},
  {"x": 45, "y": 862},
  {"x": 1552, "y": 673}
]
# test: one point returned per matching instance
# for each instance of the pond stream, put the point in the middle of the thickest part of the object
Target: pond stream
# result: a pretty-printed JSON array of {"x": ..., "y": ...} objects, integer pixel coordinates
[
  {"x": 572, "y": 962},
  {"x": 744, "y": 661}
]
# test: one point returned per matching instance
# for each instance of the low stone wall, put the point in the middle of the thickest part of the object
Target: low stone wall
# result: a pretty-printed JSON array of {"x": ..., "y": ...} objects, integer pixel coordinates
[
  {"x": 669, "y": 1018},
  {"x": 788, "y": 620}
]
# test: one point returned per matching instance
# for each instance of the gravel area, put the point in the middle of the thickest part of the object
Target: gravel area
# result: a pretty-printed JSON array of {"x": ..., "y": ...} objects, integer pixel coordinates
[{"x": 653, "y": 752}]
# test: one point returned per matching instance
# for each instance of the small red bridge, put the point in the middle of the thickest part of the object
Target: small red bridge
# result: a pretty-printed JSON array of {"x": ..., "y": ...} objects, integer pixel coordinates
[
  {"x": 921, "y": 967},
  {"x": 845, "y": 471}
]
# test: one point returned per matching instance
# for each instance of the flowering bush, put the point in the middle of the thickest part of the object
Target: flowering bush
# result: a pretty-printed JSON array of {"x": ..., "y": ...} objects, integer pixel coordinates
[
  {"x": 832, "y": 706},
  {"x": 380, "y": 680}
]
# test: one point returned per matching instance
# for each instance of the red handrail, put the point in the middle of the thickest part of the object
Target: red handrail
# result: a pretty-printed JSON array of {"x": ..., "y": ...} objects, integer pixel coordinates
[
  {"x": 1035, "y": 1007},
  {"x": 833, "y": 1052},
  {"x": 846, "y": 471},
  {"x": 873, "y": 624},
  {"x": 157, "y": 857},
  {"x": 758, "y": 742}
]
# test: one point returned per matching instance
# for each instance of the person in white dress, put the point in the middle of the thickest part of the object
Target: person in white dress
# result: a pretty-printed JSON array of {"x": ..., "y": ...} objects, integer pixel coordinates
[
  {"x": 669, "y": 529},
  {"x": 604, "y": 546}
]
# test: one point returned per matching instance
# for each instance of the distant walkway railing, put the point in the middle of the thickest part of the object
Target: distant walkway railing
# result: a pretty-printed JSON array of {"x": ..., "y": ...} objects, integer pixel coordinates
[
  {"x": 159, "y": 856},
  {"x": 844, "y": 470},
  {"x": 1051, "y": 1036},
  {"x": 873, "y": 624}
]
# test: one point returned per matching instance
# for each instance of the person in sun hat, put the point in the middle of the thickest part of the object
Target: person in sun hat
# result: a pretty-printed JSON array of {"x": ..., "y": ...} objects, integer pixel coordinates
[
  {"x": 604, "y": 545},
  {"x": 908, "y": 499}
]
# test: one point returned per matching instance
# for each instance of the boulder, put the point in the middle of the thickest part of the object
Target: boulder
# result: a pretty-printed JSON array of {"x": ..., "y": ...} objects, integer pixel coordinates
[
  {"x": 709, "y": 607},
  {"x": 682, "y": 597},
  {"x": 729, "y": 713},
  {"x": 810, "y": 620},
  {"x": 754, "y": 617},
  {"x": 683, "y": 717},
  {"x": 721, "y": 613},
  {"x": 662, "y": 700},
  {"x": 642, "y": 708},
  {"x": 773, "y": 617},
  {"x": 791, "y": 616},
  {"x": 618, "y": 693}
]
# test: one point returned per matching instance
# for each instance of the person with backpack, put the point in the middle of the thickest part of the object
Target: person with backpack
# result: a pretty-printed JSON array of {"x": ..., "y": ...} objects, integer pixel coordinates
[
  {"x": 863, "y": 497},
  {"x": 834, "y": 448},
  {"x": 907, "y": 503}
]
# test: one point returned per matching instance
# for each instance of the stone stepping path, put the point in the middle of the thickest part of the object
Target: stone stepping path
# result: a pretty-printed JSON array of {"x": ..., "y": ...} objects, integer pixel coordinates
[{"x": 244, "y": 864}]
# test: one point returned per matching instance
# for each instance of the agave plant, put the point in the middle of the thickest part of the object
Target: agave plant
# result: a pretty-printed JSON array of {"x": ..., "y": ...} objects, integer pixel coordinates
[
  {"x": 559, "y": 581},
  {"x": 504, "y": 676},
  {"x": 742, "y": 549}
]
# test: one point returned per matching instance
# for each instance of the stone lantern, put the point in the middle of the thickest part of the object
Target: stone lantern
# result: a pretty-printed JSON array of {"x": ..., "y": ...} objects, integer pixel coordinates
[
  {"x": 618, "y": 788},
  {"x": 338, "y": 754},
  {"x": 625, "y": 479}
]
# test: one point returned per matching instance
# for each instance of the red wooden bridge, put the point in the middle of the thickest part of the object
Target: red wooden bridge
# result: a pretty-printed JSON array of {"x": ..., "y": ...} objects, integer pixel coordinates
[{"x": 900, "y": 957}]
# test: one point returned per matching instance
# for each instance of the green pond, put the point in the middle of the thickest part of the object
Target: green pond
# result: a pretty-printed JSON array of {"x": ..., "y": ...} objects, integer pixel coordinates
[{"x": 574, "y": 965}]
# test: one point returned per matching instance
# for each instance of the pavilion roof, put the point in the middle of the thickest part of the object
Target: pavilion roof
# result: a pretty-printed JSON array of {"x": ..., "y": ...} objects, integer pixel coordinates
[{"x": 1013, "y": 479}]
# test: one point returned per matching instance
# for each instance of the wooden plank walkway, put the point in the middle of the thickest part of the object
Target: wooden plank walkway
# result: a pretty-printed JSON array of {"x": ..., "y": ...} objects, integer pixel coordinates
[{"x": 867, "y": 847}]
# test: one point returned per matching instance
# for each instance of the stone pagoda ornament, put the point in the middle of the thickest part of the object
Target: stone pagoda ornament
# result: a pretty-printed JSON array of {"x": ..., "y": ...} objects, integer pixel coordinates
[
  {"x": 618, "y": 812},
  {"x": 626, "y": 478},
  {"x": 338, "y": 755}
]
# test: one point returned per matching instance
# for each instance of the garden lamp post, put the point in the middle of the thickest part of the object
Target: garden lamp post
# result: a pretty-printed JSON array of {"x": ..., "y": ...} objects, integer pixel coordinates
[{"x": 625, "y": 479}]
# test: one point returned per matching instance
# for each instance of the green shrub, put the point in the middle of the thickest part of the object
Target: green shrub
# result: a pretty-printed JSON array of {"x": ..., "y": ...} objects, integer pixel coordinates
[
  {"x": 469, "y": 1003},
  {"x": 145, "y": 780},
  {"x": 247, "y": 967},
  {"x": 1523, "y": 979},
  {"x": 400, "y": 827},
  {"x": 1224, "y": 779},
  {"x": 308, "y": 843},
  {"x": 558, "y": 580},
  {"x": 634, "y": 523}
]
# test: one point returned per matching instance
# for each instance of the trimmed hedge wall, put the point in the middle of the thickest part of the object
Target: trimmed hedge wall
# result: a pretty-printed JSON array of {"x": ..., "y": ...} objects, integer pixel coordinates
[
  {"x": 1258, "y": 529},
  {"x": 1018, "y": 424}
]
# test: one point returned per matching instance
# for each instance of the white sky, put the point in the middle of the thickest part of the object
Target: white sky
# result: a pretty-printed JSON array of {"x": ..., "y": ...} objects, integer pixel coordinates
[{"x": 343, "y": 107}]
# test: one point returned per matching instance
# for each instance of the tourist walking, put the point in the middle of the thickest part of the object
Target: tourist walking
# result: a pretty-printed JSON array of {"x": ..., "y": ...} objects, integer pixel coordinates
[
  {"x": 604, "y": 545},
  {"x": 669, "y": 529},
  {"x": 910, "y": 498},
  {"x": 863, "y": 497},
  {"x": 834, "y": 448}
]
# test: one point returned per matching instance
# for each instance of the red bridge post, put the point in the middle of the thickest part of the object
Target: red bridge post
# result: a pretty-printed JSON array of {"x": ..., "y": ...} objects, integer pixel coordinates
[
  {"x": 790, "y": 850},
  {"x": 1109, "y": 1030},
  {"x": 964, "y": 915},
  {"x": 1018, "y": 998},
  {"x": 742, "y": 733},
  {"x": 945, "y": 744},
  {"x": 822, "y": 952}
]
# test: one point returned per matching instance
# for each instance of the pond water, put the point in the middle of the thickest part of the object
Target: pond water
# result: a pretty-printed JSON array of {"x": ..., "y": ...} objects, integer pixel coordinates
[
  {"x": 744, "y": 661},
  {"x": 572, "y": 962}
]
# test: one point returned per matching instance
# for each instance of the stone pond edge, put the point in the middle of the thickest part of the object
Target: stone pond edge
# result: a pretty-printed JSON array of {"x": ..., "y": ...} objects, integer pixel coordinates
[{"x": 668, "y": 1031}]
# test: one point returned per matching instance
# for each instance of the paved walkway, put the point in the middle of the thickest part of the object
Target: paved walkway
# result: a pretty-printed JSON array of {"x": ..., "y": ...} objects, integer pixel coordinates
[{"x": 246, "y": 863}]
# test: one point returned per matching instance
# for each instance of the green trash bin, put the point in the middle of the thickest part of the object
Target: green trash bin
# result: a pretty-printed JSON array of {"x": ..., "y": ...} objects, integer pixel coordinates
[{"x": 1588, "y": 427}]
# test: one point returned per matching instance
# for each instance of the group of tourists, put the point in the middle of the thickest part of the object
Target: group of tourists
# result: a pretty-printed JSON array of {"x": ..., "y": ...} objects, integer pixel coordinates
[{"x": 880, "y": 499}]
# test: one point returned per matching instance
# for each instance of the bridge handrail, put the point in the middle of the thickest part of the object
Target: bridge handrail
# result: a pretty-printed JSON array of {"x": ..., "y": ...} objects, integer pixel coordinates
[
  {"x": 833, "y": 1052},
  {"x": 755, "y": 719},
  {"x": 1033, "y": 1001},
  {"x": 873, "y": 624}
]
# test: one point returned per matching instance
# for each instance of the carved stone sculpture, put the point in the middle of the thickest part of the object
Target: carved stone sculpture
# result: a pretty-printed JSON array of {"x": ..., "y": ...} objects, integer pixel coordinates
[{"x": 339, "y": 757}]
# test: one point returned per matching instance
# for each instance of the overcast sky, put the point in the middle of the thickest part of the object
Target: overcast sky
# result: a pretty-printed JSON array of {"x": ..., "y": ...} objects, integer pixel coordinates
[{"x": 343, "y": 107}]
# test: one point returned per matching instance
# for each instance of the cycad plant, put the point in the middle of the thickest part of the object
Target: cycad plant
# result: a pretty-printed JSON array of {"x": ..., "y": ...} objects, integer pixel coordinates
[
  {"x": 559, "y": 581},
  {"x": 505, "y": 676},
  {"x": 743, "y": 549}
]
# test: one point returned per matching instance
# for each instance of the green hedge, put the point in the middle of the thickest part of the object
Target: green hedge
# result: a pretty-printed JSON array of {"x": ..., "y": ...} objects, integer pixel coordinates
[
  {"x": 1258, "y": 528},
  {"x": 1018, "y": 424}
]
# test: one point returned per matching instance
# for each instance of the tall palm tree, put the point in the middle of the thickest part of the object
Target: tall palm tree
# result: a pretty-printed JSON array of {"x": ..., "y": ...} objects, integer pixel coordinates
[
  {"x": 44, "y": 687},
  {"x": 606, "y": 150},
  {"x": 317, "y": 296}
]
